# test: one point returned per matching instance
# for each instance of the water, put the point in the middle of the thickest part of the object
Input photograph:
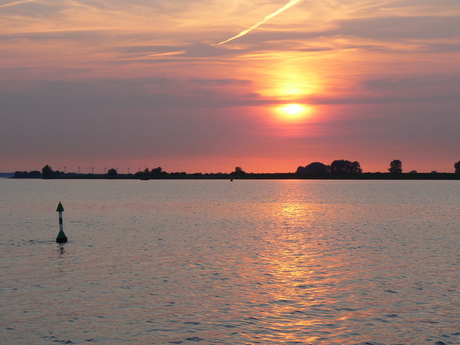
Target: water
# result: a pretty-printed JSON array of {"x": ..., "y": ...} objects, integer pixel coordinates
[{"x": 220, "y": 262}]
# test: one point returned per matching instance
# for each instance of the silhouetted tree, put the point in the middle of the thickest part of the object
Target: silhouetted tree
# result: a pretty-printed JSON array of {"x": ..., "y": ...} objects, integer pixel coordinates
[
  {"x": 345, "y": 167},
  {"x": 47, "y": 172},
  {"x": 238, "y": 172},
  {"x": 313, "y": 168},
  {"x": 356, "y": 168},
  {"x": 156, "y": 172},
  {"x": 301, "y": 170},
  {"x": 144, "y": 174},
  {"x": 339, "y": 166},
  {"x": 395, "y": 167},
  {"x": 457, "y": 167},
  {"x": 317, "y": 168},
  {"x": 112, "y": 172}
]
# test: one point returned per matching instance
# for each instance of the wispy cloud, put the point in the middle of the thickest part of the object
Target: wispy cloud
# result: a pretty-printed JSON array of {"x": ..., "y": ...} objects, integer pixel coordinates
[{"x": 270, "y": 16}]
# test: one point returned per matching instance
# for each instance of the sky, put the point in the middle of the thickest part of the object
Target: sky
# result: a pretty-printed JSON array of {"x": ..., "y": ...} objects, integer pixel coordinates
[{"x": 208, "y": 85}]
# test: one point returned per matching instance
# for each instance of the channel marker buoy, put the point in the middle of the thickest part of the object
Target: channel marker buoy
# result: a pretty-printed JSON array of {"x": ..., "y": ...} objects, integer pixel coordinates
[{"x": 61, "y": 237}]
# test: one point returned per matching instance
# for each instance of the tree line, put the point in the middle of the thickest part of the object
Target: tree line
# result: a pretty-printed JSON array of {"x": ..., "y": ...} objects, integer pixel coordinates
[
  {"x": 338, "y": 168},
  {"x": 345, "y": 167},
  {"x": 341, "y": 166}
]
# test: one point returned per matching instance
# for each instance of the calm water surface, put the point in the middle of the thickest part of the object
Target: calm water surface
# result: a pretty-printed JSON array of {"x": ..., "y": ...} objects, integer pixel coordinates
[{"x": 219, "y": 262}]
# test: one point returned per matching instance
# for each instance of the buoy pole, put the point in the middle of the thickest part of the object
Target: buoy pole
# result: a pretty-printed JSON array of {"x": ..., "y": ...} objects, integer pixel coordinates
[{"x": 61, "y": 237}]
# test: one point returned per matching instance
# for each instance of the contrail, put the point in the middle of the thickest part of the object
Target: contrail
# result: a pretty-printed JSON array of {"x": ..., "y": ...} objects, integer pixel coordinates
[
  {"x": 270, "y": 16},
  {"x": 15, "y": 3}
]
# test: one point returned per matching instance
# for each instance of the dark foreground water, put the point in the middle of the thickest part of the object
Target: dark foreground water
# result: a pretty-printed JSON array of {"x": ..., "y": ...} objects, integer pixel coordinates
[{"x": 220, "y": 262}]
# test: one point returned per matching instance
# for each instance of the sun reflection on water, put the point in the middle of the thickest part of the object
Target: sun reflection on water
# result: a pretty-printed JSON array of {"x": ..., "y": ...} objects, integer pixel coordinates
[
  {"x": 304, "y": 293},
  {"x": 295, "y": 282}
]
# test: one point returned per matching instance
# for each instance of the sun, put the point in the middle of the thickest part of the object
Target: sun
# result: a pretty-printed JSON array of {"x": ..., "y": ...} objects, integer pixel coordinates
[
  {"x": 293, "y": 109},
  {"x": 292, "y": 112}
]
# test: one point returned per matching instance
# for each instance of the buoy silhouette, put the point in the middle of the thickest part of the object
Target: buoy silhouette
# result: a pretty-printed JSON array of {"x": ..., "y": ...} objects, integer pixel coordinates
[{"x": 61, "y": 237}]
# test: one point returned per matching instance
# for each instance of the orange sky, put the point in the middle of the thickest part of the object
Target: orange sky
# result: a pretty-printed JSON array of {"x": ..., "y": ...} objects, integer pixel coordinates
[{"x": 210, "y": 85}]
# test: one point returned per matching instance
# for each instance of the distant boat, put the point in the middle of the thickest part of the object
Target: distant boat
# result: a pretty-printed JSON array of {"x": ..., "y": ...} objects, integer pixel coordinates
[{"x": 145, "y": 178}]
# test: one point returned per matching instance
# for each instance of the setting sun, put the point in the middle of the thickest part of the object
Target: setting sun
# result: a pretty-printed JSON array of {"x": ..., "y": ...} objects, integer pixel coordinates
[{"x": 292, "y": 111}]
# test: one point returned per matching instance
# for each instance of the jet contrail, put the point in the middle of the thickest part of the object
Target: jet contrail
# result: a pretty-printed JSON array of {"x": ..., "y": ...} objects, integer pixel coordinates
[
  {"x": 15, "y": 3},
  {"x": 270, "y": 16}
]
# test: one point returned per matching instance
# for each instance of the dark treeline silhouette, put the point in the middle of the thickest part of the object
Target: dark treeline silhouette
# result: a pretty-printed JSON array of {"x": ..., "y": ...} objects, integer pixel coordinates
[
  {"x": 345, "y": 167},
  {"x": 154, "y": 173},
  {"x": 27, "y": 174},
  {"x": 338, "y": 169}
]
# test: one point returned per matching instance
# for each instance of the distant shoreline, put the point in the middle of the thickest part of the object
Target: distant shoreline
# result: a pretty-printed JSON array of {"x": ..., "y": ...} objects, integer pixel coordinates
[{"x": 255, "y": 176}]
